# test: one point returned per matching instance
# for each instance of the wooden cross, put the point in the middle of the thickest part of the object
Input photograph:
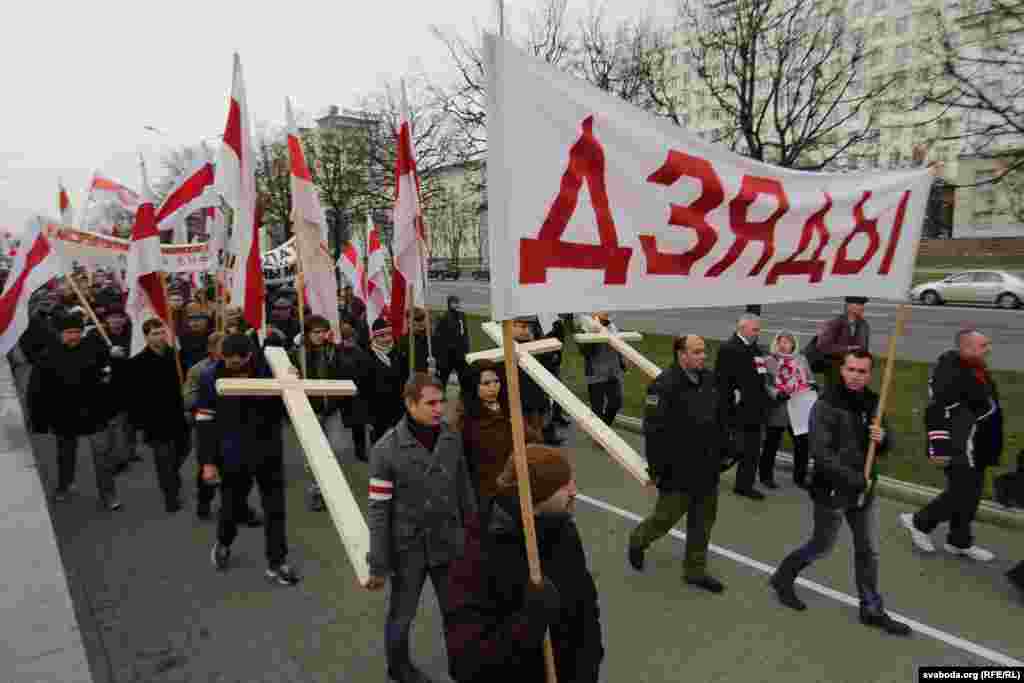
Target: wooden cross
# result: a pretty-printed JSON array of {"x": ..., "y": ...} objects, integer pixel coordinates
[
  {"x": 620, "y": 342},
  {"x": 345, "y": 511},
  {"x": 607, "y": 437}
]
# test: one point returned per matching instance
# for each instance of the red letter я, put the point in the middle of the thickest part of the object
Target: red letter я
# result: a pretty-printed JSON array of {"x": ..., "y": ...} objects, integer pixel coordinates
[
  {"x": 814, "y": 266},
  {"x": 752, "y": 231},
  {"x": 844, "y": 265},
  {"x": 694, "y": 216},
  {"x": 586, "y": 161}
]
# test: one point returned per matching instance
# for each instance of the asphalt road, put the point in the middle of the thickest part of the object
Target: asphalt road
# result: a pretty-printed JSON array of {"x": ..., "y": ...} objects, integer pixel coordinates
[
  {"x": 152, "y": 608},
  {"x": 929, "y": 331}
]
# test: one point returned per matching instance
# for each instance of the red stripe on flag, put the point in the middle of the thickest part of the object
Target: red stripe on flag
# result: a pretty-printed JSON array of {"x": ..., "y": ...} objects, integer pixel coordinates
[
  {"x": 398, "y": 303},
  {"x": 145, "y": 223},
  {"x": 298, "y": 160},
  {"x": 233, "y": 129},
  {"x": 9, "y": 301},
  {"x": 254, "y": 291},
  {"x": 190, "y": 190}
]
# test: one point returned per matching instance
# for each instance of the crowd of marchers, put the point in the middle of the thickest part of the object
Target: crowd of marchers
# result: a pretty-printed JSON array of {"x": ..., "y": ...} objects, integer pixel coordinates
[{"x": 443, "y": 492}]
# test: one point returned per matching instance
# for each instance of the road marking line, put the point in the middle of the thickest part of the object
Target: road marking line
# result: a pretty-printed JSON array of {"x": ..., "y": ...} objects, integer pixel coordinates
[{"x": 997, "y": 658}]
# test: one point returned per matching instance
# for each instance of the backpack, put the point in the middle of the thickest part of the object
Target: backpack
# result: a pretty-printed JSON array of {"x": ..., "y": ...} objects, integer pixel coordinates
[{"x": 818, "y": 361}]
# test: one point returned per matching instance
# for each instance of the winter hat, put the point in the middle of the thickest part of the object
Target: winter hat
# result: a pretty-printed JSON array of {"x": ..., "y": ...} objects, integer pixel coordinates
[
  {"x": 71, "y": 321},
  {"x": 857, "y": 300},
  {"x": 549, "y": 471}
]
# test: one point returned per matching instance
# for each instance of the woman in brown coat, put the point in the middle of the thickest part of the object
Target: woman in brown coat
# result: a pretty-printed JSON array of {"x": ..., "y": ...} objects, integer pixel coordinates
[{"x": 486, "y": 428}]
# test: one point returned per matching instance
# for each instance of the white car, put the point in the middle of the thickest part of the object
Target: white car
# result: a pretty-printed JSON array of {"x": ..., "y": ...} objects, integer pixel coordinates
[{"x": 991, "y": 287}]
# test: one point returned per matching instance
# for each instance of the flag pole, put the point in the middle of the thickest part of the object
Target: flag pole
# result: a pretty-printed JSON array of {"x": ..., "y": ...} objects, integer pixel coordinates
[
  {"x": 300, "y": 287},
  {"x": 88, "y": 310},
  {"x": 523, "y": 477},
  {"x": 170, "y": 328},
  {"x": 410, "y": 311},
  {"x": 890, "y": 362}
]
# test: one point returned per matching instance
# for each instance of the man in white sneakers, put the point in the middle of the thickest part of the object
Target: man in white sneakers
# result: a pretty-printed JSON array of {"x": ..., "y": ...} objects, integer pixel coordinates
[{"x": 965, "y": 435}]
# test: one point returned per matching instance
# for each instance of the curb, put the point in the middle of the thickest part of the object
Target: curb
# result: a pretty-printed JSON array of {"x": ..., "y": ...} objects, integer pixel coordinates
[{"x": 912, "y": 494}]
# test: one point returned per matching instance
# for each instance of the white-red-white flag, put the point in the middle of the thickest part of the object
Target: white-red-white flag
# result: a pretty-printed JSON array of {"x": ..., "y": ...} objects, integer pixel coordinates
[
  {"x": 101, "y": 188},
  {"x": 64, "y": 203},
  {"x": 236, "y": 181},
  {"x": 377, "y": 294},
  {"x": 409, "y": 236},
  {"x": 35, "y": 264},
  {"x": 321, "y": 285},
  {"x": 351, "y": 265},
  {"x": 189, "y": 194},
  {"x": 146, "y": 296}
]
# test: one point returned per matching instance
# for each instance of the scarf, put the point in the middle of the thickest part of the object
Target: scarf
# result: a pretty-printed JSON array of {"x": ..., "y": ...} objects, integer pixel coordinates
[
  {"x": 979, "y": 369},
  {"x": 426, "y": 435},
  {"x": 789, "y": 376},
  {"x": 382, "y": 351}
]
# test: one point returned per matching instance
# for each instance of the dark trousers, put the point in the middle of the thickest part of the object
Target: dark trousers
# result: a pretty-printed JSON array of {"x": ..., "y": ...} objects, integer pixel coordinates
[
  {"x": 407, "y": 581},
  {"x": 748, "y": 443},
  {"x": 772, "y": 440},
  {"x": 236, "y": 482},
  {"x": 452, "y": 362},
  {"x": 359, "y": 441},
  {"x": 606, "y": 399},
  {"x": 700, "y": 512},
  {"x": 168, "y": 457},
  {"x": 957, "y": 504},
  {"x": 827, "y": 523},
  {"x": 101, "y": 447}
]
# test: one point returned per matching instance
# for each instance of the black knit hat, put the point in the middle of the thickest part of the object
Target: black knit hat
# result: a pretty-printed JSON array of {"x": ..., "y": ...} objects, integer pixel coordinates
[{"x": 857, "y": 300}]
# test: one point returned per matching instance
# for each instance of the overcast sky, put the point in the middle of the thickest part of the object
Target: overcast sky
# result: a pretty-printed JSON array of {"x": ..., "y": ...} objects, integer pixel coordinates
[{"x": 82, "y": 80}]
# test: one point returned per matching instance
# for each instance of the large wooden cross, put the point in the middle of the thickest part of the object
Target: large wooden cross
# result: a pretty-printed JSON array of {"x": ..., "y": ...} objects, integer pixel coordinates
[
  {"x": 608, "y": 438},
  {"x": 620, "y": 342},
  {"x": 345, "y": 511}
]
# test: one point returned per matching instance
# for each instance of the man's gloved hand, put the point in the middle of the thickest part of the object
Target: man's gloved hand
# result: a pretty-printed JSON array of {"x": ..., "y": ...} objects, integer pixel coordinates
[{"x": 118, "y": 352}]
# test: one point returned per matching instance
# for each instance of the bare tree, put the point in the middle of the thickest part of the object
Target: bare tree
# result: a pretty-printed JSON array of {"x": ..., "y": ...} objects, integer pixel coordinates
[
  {"x": 273, "y": 176},
  {"x": 979, "y": 75},
  {"x": 787, "y": 79}
]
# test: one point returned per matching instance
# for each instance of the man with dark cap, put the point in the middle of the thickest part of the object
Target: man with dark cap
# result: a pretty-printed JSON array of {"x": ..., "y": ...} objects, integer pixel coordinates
[
  {"x": 452, "y": 341},
  {"x": 389, "y": 371},
  {"x": 69, "y": 395},
  {"x": 684, "y": 433},
  {"x": 417, "y": 327},
  {"x": 495, "y": 617},
  {"x": 536, "y": 403},
  {"x": 844, "y": 333},
  {"x": 119, "y": 330},
  {"x": 284, "y": 321},
  {"x": 194, "y": 335}
]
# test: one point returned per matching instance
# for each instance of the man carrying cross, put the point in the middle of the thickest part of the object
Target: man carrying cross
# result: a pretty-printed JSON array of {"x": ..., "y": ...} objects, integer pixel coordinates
[{"x": 246, "y": 432}]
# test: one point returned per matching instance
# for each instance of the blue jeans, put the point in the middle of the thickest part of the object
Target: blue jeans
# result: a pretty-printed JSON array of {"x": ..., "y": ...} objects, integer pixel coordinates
[{"x": 827, "y": 523}]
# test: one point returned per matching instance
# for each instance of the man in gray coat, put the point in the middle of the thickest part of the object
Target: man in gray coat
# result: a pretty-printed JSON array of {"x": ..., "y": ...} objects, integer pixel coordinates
[{"x": 420, "y": 501}]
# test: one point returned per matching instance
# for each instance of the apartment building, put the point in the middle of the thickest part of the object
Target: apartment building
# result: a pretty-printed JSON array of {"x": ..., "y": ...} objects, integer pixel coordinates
[{"x": 899, "y": 38}]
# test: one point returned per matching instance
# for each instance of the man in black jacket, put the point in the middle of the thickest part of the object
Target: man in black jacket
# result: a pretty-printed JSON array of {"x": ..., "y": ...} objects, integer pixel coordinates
[
  {"x": 240, "y": 442},
  {"x": 69, "y": 395},
  {"x": 740, "y": 373},
  {"x": 495, "y": 617},
  {"x": 157, "y": 407},
  {"x": 389, "y": 371},
  {"x": 685, "y": 440},
  {"x": 452, "y": 341},
  {"x": 965, "y": 435},
  {"x": 842, "y": 429}
]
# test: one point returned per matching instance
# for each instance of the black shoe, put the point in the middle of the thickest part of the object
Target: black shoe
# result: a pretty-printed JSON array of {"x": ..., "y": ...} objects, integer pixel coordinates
[
  {"x": 283, "y": 575},
  {"x": 173, "y": 506},
  {"x": 220, "y": 556},
  {"x": 751, "y": 493},
  {"x": 203, "y": 511},
  {"x": 884, "y": 622},
  {"x": 122, "y": 467},
  {"x": 787, "y": 594},
  {"x": 636, "y": 558},
  {"x": 253, "y": 520},
  {"x": 769, "y": 484},
  {"x": 134, "y": 458},
  {"x": 410, "y": 675},
  {"x": 800, "y": 483},
  {"x": 708, "y": 583}
]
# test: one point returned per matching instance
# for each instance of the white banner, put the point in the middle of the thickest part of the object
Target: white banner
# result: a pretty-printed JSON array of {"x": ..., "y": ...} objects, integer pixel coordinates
[
  {"x": 104, "y": 251},
  {"x": 597, "y": 205}
]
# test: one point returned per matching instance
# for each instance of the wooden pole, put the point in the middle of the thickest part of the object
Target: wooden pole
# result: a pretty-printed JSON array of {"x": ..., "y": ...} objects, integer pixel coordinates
[
  {"x": 171, "y": 330},
  {"x": 300, "y": 283},
  {"x": 88, "y": 310},
  {"x": 883, "y": 399},
  {"x": 523, "y": 477}
]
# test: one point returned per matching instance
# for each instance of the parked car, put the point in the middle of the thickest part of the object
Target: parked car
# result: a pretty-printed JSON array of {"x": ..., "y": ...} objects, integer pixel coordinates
[
  {"x": 991, "y": 287},
  {"x": 442, "y": 269},
  {"x": 482, "y": 274}
]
